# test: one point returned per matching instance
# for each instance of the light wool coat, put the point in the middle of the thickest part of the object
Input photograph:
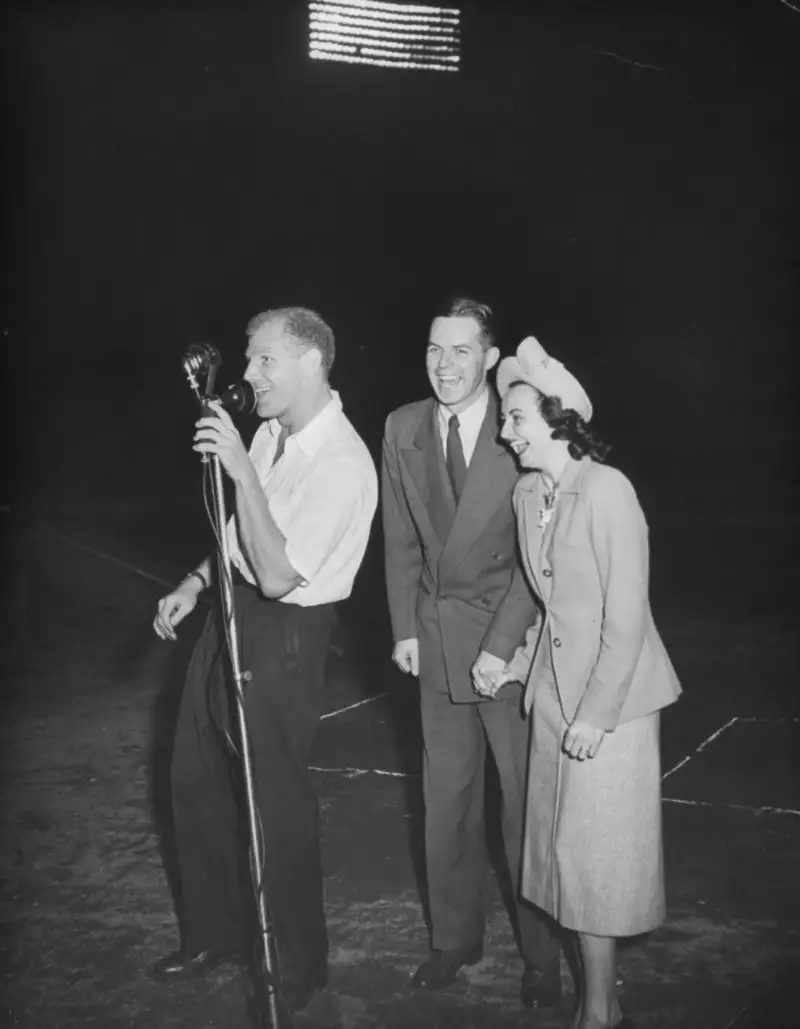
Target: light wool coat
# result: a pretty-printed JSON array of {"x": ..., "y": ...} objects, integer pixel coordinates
[
  {"x": 590, "y": 568},
  {"x": 592, "y": 848}
]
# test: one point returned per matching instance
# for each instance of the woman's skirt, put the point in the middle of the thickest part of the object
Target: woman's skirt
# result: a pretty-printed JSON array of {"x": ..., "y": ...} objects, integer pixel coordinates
[{"x": 592, "y": 855}]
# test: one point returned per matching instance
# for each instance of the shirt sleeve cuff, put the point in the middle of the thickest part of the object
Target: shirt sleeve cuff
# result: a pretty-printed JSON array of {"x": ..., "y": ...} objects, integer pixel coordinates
[{"x": 301, "y": 567}]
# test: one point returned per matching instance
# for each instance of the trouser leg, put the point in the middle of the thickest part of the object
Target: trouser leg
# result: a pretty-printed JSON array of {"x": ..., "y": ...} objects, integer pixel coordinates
[
  {"x": 283, "y": 708},
  {"x": 507, "y": 732},
  {"x": 454, "y": 753},
  {"x": 284, "y": 650},
  {"x": 207, "y": 827}
]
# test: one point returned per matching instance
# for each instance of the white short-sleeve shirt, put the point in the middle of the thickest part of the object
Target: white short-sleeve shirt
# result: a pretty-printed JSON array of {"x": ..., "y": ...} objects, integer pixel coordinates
[{"x": 322, "y": 494}]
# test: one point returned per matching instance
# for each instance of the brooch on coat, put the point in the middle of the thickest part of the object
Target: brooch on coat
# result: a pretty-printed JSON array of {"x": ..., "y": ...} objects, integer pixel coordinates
[{"x": 546, "y": 511}]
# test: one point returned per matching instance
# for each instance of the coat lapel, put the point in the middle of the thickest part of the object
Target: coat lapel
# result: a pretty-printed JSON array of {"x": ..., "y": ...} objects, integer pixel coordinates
[
  {"x": 569, "y": 488},
  {"x": 491, "y": 476},
  {"x": 530, "y": 533},
  {"x": 537, "y": 540}
]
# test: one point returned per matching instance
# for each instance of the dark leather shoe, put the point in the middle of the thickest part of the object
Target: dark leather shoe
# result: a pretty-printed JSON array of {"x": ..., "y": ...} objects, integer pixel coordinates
[
  {"x": 540, "y": 989},
  {"x": 177, "y": 965},
  {"x": 442, "y": 966}
]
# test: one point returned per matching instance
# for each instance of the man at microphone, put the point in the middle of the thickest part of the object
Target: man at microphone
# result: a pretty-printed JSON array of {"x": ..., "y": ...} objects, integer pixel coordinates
[{"x": 305, "y": 497}]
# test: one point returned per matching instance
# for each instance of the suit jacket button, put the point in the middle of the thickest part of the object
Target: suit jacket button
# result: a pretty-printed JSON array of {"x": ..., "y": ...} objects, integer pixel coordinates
[
  {"x": 443, "y": 596},
  {"x": 547, "y": 573},
  {"x": 556, "y": 641},
  {"x": 485, "y": 601}
]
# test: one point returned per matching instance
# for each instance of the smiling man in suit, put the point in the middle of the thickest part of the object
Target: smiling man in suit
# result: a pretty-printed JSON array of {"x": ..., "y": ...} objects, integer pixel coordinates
[{"x": 451, "y": 551}]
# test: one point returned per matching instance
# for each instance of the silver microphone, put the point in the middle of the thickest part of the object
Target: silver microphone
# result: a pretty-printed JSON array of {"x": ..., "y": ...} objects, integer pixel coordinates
[{"x": 201, "y": 357}]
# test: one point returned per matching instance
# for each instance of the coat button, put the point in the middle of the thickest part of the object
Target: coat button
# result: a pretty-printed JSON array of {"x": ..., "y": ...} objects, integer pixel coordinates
[
  {"x": 443, "y": 596},
  {"x": 556, "y": 641},
  {"x": 485, "y": 601},
  {"x": 547, "y": 573}
]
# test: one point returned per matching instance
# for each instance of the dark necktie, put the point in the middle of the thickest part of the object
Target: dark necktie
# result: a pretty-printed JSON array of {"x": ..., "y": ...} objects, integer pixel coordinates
[{"x": 456, "y": 465}]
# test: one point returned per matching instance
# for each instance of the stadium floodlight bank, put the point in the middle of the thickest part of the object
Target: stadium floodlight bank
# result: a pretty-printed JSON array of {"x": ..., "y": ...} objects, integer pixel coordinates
[{"x": 387, "y": 35}]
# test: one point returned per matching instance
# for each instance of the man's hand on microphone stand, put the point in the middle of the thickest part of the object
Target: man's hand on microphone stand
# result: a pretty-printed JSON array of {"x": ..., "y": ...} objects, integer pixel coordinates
[{"x": 216, "y": 434}]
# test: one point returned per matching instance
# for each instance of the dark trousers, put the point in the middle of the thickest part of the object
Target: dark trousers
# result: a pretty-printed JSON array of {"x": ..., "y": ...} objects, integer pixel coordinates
[
  {"x": 455, "y": 738},
  {"x": 284, "y": 647}
]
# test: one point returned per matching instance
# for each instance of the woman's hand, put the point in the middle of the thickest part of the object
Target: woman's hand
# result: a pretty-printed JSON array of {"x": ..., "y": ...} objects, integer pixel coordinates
[
  {"x": 489, "y": 674},
  {"x": 582, "y": 740}
]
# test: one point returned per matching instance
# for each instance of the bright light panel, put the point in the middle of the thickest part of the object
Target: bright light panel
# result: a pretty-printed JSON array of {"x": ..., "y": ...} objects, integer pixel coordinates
[{"x": 385, "y": 34}]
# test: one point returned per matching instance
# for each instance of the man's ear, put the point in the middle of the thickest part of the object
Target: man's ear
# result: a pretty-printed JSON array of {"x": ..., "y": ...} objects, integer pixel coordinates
[
  {"x": 312, "y": 359},
  {"x": 491, "y": 359}
]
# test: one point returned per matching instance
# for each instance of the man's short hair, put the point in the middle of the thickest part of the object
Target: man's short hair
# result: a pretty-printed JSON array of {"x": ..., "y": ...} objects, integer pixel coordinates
[
  {"x": 465, "y": 307},
  {"x": 305, "y": 326}
]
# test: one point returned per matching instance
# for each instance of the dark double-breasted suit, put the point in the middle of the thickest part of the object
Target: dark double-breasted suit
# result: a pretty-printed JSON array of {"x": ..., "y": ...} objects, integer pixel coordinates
[{"x": 448, "y": 567}]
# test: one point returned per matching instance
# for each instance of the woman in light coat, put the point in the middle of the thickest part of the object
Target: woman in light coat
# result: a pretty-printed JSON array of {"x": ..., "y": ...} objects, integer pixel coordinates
[{"x": 596, "y": 675}]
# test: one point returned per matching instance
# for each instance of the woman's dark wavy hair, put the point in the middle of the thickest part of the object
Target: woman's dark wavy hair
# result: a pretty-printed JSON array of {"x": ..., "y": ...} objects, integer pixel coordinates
[{"x": 568, "y": 425}]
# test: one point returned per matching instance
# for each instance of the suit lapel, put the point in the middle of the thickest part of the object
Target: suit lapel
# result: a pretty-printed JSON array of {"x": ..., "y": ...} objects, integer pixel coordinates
[
  {"x": 425, "y": 465},
  {"x": 491, "y": 475}
]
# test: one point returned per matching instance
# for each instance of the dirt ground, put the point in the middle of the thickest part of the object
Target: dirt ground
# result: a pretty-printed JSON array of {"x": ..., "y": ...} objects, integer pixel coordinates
[{"x": 87, "y": 905}]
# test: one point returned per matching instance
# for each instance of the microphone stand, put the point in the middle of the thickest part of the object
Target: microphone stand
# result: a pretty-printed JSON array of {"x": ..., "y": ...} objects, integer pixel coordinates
[{"x": 273, "y": 1013}]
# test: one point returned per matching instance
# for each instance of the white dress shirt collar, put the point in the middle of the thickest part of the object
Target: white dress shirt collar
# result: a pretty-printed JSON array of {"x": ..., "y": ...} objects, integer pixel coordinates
[
  {"x": 311, "y": 437},
  {"x": 469, "y": 423}
]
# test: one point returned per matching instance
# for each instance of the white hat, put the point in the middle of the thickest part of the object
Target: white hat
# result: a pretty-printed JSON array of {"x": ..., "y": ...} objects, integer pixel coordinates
[{"x": 534, "y": 365}]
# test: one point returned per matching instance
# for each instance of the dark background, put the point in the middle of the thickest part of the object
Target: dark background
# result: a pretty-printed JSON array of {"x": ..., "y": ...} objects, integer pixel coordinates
[{"x": 617, "y": 179}]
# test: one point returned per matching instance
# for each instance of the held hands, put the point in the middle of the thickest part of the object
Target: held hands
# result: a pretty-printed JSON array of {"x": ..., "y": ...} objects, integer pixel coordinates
[
  {"x": 406, "y": 656},
  {"x": 489, "y": 673},
  {"x": 173, "y": 608},
  {"x": 582, "y": 740},
  {"x": 216, "y": 434}
]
